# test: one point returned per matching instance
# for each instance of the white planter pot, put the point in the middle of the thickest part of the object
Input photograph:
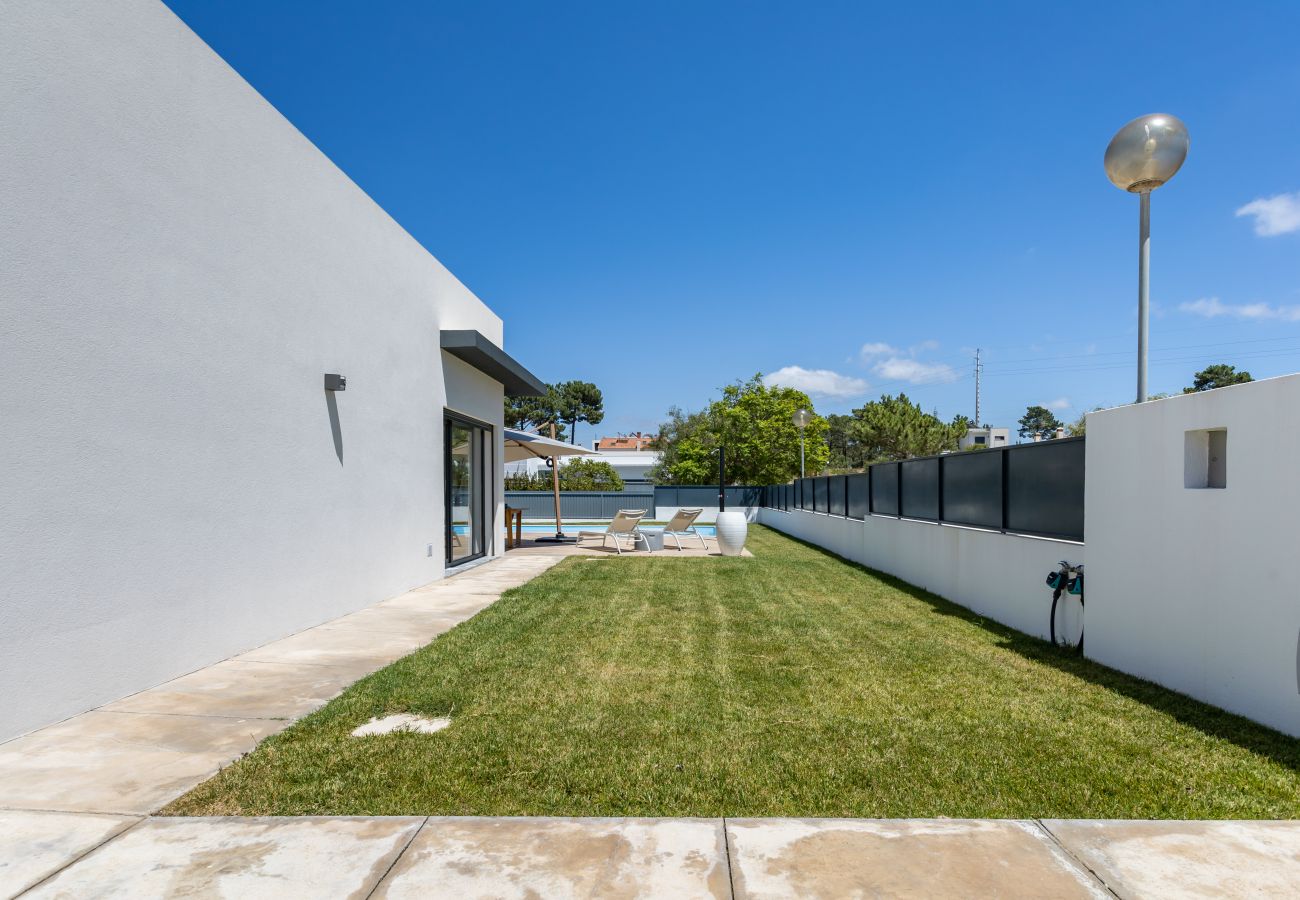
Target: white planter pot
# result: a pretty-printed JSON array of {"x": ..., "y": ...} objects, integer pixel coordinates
[{"x": 732, "y": 529}]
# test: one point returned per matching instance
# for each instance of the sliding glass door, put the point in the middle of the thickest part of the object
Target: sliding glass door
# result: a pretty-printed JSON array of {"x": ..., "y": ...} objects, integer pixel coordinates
[{"x": 466, "y": 465}]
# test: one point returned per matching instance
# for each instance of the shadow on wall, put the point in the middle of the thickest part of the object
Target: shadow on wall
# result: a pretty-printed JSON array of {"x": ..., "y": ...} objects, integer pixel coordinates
[
  {"x": 332, "y": 405},
  {"x": 1207, "y": 719}
]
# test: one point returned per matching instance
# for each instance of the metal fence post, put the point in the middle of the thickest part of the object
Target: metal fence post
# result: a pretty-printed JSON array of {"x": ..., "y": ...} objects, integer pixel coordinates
[
  {"x": 1006, "y": 483},
  {"x": 899, "y": 470},
  {"x": 940, "y": 490}
]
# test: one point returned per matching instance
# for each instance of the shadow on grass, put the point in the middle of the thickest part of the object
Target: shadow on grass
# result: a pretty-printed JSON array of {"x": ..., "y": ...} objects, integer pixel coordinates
[{"x": 1209, "y": 720}]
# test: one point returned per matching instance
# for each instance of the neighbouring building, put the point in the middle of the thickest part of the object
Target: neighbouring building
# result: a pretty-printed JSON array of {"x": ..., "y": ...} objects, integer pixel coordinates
[
  {"x": 631, "y": 455},
  {"x": 239, "y": 399},
  {"x": 984, "y": 437}
]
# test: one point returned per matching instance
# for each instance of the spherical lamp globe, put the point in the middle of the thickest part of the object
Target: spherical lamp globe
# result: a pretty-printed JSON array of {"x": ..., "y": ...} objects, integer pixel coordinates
[{"x": 1146, "y": 152}]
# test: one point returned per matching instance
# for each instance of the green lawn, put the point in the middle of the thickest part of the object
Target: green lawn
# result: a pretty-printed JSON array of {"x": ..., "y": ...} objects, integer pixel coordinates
[{"x": 789, "y": 684}]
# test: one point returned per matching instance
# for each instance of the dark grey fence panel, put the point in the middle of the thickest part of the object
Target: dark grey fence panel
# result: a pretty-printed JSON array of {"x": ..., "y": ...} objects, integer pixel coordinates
[
  {"x": 837, "y": 504},
  {"x": 921, "y": 489},
  {"x": 884, "y": 489},
  {"x": 859, "y": 496},
  {"x": 1045, "y": 488},
  {"x": 972, "y": 489},
  {"x": 1029, "y": 489},
  {"x": 742, "y": 495},
  {"x": 821, "y": 493},
  {"x": 580, "y": 505}
]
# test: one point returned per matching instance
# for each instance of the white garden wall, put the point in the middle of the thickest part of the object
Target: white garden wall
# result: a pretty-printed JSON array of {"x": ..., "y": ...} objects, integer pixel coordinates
[
  {"x": 1196, "y": 588},
  {"x": 996, "y": 575},
  {"x": 1188, "y": 585},
  {"x": 179, "y": 268}
]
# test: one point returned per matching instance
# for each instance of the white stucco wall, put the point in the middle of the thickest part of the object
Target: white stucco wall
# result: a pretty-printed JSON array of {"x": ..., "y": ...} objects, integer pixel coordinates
[
  {"x": 1001, "y": 576},
  {"x": 179, "y": 269},
  {"x": 1196, "y": 588}
]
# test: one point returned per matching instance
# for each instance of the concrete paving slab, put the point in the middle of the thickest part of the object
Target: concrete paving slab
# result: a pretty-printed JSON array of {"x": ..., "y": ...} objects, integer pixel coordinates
[
  {"x": 924, "y": 858},
  {"x": 128, "y": 763},
  {"x": 1187, "y": 859},
  {"x": 125, "y": 780},
  {"x": 327, "y": 645},
  {"x": 35, "y": 845},
  {"x": 460, "y": 605},
  {"x": 424, "y": 623},
  {"x": 561, "y": 858},
  {"x": 239, "y": 858},
  {"x": 261, "y": 690},
  {"x": 102, "y": 730}
]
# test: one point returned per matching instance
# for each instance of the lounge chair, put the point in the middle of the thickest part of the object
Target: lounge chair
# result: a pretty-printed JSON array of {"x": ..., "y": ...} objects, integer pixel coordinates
[
  {"x": 624, "y": 526},
  {"x": 683, "y": 525}
]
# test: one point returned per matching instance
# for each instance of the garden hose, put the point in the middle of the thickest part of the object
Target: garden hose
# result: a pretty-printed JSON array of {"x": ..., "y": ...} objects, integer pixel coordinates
[{"x": 1060, "y": 585}]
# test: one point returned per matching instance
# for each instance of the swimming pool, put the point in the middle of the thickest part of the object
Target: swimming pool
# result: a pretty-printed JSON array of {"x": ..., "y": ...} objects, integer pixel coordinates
[{"x": 706, "y": 530}]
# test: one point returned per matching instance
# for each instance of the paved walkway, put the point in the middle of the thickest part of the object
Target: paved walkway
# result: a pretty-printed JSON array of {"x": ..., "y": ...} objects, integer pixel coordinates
[
  {"x": 76, "y": 799},
  {"x": 133, "y": 756},
  {"x": 121, "y": 856}
]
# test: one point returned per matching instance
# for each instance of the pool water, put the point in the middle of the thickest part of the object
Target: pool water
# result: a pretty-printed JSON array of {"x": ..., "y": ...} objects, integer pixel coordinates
[{"x": 706, "y": 530}]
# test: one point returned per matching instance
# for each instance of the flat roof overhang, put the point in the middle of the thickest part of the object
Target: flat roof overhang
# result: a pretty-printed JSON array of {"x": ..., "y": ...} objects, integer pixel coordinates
[{"x": 491, "y": 360}]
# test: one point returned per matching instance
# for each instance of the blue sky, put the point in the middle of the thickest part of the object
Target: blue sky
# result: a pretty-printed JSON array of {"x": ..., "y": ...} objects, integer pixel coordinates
[{"x": 665, "y": 197}]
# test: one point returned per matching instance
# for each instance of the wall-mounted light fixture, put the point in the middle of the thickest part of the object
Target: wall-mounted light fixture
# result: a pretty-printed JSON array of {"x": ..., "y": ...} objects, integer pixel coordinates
[{"x": 336, "y": 383}]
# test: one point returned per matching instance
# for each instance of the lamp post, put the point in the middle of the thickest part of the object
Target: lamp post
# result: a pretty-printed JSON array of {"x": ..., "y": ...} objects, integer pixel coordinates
[
  {"x": 801, "y": 419},
  {"x": 1143, "y": 155}
]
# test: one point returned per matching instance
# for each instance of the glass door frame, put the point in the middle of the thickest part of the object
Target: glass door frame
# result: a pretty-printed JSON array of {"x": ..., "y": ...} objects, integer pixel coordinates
[{"x": 487, "y": 509}]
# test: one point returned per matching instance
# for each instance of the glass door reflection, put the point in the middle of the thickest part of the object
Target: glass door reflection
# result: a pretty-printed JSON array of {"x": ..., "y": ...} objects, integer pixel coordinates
[{"x": 465, "y": 443}]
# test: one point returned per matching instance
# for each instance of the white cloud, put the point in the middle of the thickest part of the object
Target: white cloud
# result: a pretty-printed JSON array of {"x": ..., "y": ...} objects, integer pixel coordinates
[
  {"x": 1059, "y": 404},
  {"x": 1279, "y": 214},
  {"x": 870, "y": 351},
  {"x": 818, "y": 382},
  {"x": 1213, "y": 308},
  {"x": 914, "y": 371}
]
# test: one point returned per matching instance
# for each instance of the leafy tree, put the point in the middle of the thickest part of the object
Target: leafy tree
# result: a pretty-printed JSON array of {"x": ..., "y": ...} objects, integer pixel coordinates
[
  {"x": 896, "y": 428},
  {"x": 1216, "y": 376},
  {"x": 589, "y": 475},
  {"x": 1079, "y": 427},
  {"x": 846, "y": 451},
  {"x": 531, "y": 413},
  {"x": 578, "y": 401},
  {"x": 1039, "y": 420},
  {"x": 755, "y": 423},
  {"x": 575, "y": 475}
]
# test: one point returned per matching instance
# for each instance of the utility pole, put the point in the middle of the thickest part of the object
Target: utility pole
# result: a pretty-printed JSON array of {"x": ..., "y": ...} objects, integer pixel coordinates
[{"x": 979, "y": 367}]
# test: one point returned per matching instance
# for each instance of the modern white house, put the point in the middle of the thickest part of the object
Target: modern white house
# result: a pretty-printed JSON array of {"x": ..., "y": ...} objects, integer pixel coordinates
[
  {"x": 240, "y": 400},
  {"x": 984, "y": 437}
]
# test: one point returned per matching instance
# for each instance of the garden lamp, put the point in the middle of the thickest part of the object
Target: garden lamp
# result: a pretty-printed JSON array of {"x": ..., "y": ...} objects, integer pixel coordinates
[
  {"x": 1143, "y": 155},
  {"x": 801, "y": 420}
]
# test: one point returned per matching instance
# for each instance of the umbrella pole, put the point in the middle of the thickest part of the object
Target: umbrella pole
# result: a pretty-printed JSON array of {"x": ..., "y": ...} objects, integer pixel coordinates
[{"x": 560, "y": 537}]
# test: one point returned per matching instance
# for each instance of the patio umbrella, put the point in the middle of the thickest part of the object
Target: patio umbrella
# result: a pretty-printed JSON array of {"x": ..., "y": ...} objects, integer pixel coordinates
[{"x": 523, "y": 445}]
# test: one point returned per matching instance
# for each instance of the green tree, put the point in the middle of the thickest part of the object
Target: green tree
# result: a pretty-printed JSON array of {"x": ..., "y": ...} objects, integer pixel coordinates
[
  {"x": 896, "y": 428},
  {"x": 589, "y": 475},
  {"x": 531, "y": 413},
  {"x": 755, "y": 423},
  {"x": 1039, "y": 420},
  {"x": 578, "y": 401},
  {"x": 575, "y": 475},
  {"x": 1216, "y": 376},
  {"x": 846, "y": 452}
]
